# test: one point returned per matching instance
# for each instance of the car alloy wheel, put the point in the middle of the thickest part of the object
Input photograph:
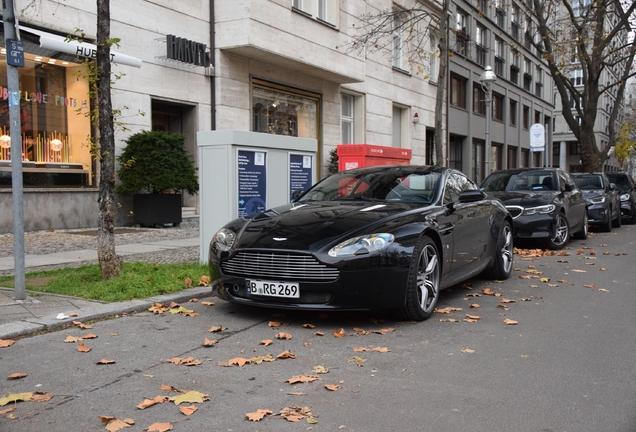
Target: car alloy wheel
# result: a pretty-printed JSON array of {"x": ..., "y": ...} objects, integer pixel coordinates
[
  {"x": 423, "y": 282},
  {"x": 582, "y": 235},
  {"x": 502, "y": 265},
  {"x": 561, "y": 232}
]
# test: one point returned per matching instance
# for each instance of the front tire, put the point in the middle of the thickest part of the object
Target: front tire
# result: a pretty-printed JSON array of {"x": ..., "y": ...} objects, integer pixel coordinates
[
  {"x": 502, "y": 265},
  {"x": 422, "y": 291},
  {"x": 561, "y": 233}
]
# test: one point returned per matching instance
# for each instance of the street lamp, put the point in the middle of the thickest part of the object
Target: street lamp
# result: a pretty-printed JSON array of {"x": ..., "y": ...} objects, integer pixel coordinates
[{"x": 487, "y": 79}]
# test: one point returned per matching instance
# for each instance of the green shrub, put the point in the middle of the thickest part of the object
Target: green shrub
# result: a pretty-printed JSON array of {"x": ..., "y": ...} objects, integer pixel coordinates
[{"x": 156, "y": 162}]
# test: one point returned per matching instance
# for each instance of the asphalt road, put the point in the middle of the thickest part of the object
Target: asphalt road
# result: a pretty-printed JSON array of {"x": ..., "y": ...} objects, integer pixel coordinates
[{"x": 566, "y": 366}]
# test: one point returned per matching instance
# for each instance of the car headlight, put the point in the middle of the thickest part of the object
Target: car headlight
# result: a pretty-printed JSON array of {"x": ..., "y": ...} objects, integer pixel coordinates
[
  {"x": 362, "y": 245},
  {"x": 597, "y": 200},
  {"x": 546, "y": 209},
  {"x": 625, "y": 197},
  {"x": 224, "y": 239}
]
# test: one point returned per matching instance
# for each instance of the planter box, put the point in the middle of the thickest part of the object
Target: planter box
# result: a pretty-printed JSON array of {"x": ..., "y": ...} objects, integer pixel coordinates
[{"x": 157, "y": 209}]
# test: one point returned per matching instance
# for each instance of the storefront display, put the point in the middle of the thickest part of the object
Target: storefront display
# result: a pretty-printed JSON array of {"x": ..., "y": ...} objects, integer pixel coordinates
[{"x": 55, "y": 128}]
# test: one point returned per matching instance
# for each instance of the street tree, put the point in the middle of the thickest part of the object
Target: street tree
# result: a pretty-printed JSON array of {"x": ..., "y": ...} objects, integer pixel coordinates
[
  {"x": 410, "y": 30},
  {"x": 589, "y": 52},
  {"x": 110, "y": 263}
]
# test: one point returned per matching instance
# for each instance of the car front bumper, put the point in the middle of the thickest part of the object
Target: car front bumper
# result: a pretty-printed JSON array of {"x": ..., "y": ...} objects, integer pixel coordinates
[
  {"x": 597, "y": 214},
  {"x": 534, "y": 226}
]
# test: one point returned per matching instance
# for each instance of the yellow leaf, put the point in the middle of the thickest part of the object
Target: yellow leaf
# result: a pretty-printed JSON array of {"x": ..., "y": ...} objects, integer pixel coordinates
[
  {"x": 182, "y": 310},
  {"x": 191, "y": 397},
  {"x": 257, "y": 415},
  {"x": 544, "y": 280},
  {"x": 603, "y": 290},
  {"x": 15, "y": 397},
  {"x": 320, "y": 369},
  {"x": 357, "y": 360}
]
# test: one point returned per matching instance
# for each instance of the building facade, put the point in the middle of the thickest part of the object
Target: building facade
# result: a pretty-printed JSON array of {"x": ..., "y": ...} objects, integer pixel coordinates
[
  {"x": 496, "y": 34},
  {"x": 275, "y": 66}
]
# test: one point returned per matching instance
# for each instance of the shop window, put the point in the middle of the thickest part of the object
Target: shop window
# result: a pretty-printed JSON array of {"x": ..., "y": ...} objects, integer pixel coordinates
[
  {"x": 54, "y": 126},
  {"x": 282, "y": 110}
]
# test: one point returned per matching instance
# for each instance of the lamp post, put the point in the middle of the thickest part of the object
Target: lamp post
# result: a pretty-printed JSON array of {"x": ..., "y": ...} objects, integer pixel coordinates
[{"x": 486, "y": 80}]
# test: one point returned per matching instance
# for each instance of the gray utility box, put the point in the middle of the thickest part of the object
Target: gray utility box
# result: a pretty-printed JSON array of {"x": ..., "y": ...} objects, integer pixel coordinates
[{"x": 242, "y": 173}]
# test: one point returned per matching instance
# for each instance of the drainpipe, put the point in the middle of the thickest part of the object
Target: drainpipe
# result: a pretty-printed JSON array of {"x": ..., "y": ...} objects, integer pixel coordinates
[{"x": 213, "y": 64}]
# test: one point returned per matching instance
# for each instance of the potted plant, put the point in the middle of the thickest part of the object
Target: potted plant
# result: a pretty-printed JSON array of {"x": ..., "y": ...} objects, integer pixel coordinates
[{"x": 155, "y": 169}]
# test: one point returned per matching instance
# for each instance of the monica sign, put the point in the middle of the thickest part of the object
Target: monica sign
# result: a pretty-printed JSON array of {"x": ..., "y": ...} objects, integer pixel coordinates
[{"x": 187, "y": 51}]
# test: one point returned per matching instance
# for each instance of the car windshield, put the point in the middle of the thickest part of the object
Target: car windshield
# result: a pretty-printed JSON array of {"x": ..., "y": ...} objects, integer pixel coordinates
[
  {"x": 520, "y": 181},
  {"x": 390, "y": 185},
  {"x": 588, "y": 182}
]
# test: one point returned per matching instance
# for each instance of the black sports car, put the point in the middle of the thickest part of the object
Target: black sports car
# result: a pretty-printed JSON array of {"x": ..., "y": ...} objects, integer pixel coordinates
[
  {"x": 603, "y": 203},
  {"x": 388, "y": 237},
  {"x": 545, "y": 203}
]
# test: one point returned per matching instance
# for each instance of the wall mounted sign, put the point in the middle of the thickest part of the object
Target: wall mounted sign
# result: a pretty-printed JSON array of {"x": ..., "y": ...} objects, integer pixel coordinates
[
  {"x": 537, "y": 137},
  {"x": 252, "y": 182},
  {"x": 15, "y": 53},
  {"x": 187, "y": 51},
  {"x": 300, "y": 173}
]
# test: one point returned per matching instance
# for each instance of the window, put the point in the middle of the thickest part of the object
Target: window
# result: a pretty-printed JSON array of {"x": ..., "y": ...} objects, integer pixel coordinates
[
  {"x": 525, "y": 158},
  {"x": 497, "y": 106},
  {"x": 527, "y": 74},
  {"x": 347, "y": 111},
  {"x": 482, "y": 5},
  {"x": 514, "y": 22},
  {"x": 511, "y": 161},
  {"x": 514, "y": 66},
  {"x": 500, "y": 17},
  {"x": 513, "y": 113},
  {"x": 538, "y": 91},
  {"x": 399, "y": 117},
  {"x": 479, "y": 99},
  {"x": 496, "y": 157},
  {"x": 325, "y": 11},
  {"x": 576, "y": 77},
  {"x": 455, "y": 152},
  {"x": 461, "y": 33},
  {"x": 477, "y": 163},
  {"x": 500, "y": 61},
  {"x": 537, "y": 117},
  {"x": 433, "y": 58},
  {"x": 526, "y": 117},
  {"x": 480, "y": 45},
  {"x": 398, "y": 42},
  {"x": 458, "y": 91}
]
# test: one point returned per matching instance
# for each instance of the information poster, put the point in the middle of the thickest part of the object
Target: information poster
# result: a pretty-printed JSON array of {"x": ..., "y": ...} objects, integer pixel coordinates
[
  {"x": 300, "y": 173},
  {"x": 252, "y": 182}
]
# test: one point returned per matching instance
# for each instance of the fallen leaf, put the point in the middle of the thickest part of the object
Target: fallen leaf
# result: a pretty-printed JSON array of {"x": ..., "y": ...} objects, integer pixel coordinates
[
  {"x": 150, "y": 402},
  {"x": 215, "y": 329},
  {"x": 446, "y": 310},
  {"x": 505, "y": 300},
  {"x": 186, "y": 361},
  {"x": 384, "y": 330},
  {"x": 339, "y": 333},
  {"x": 187, "y": 282},
  {"x": 563, "y": 281},
  {"x": 603, "y": 290},
  {"x": 590, "y": 285},
  {"x": 116, "y": 424},
  {"x": 467, "y": 350},
  {"x": 319, "y": 333},
  {"x": 159, "y": 427},
  {"x": 239, "y": 361},
  {"x": 15, "y": 397},
  {"x": 332, "y": 387},
  {"x": 193, "y": 300},
  {"x": 473, "y": 295},
  {"x": 487, "y": 291},
  {"x": 82, "y": 325},
  {"x": 207, "y": 303},
  {"x": 209, "y": 342},
  {"x": 16, "y": 375},
  {"x": 473, "y": 317},
  {"x": 204, "y": 280},
  {"x": 191, "y": 397},
  {"x": 4, "y": 343},
  {"x": 266, "y": 342},
  {"x": 309, "y": 326},
  {"x": 470, "y": 320},
  {"x": 552, "y": 285},
  {"x": 508, "y": 321},
  {"x": 303, "y": 379},
  {"x": 357, "y": 360},
  {"x": 601, "y": 269},
  {"x": 41, "y": 397},
  {"x": 83, "y": 348},
  {"x": 188, "y": 410},
  {"x": 258, "y": 415},
  {"x": 183, "y": 311},
  {"x": 296, "y": 413},
  {"x": 283, "y": 335},
  {"x": 320, "y": 369},
  {"x": 544, "y": 280},
  {"x": 297, "y": 393},
  {"x": 579, "y": 271},
  {"x": 104, "y": 362},
  {"x": 475, "y": 306},
  {"x": 260, "y": 359},
  {"x": 275, "y": 324},
  {"x": 504, "y": 307},
  {"x": 8, "y": 410},
  {"x": 448, "y": 320},
  {"x": 286, "y": 355}
]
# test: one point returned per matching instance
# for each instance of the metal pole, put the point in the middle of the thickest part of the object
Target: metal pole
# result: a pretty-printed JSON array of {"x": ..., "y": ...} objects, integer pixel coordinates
[
  {"x": 487, "y": 155},
  {"x": 13, "y": 85}
]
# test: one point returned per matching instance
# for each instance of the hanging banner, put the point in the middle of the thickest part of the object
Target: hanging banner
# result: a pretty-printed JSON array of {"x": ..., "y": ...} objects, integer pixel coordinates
[
  {"x": 252, "y": 182},
  {"x": 300, "y": 173}
]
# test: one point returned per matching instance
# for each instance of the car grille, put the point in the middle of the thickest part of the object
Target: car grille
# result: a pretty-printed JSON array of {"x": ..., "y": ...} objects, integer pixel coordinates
[
  {"x": 515, "y": 211},
  {"x": 279, "y": 266}
]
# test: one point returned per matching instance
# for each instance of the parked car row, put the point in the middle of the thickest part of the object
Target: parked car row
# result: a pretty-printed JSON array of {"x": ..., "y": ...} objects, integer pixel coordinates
[{"x": 391, "y": 237}]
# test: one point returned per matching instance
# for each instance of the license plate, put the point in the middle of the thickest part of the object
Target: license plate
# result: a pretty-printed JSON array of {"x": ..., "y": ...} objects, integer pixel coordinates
[{"x": 273, "y": 289}]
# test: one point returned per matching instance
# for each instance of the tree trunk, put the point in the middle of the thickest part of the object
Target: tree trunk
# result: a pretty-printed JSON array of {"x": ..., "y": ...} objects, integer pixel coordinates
[
  {"x": 441, "y": 84},
  {"x": 109, "y": 261}
]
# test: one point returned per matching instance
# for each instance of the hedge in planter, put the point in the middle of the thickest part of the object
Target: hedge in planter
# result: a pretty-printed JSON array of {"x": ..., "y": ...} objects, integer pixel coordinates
[{"x": 155, "y": 166}]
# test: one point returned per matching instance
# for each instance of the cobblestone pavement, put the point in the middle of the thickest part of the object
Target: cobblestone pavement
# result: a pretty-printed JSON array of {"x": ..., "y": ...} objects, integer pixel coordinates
[{"x": 46, "y": 242}]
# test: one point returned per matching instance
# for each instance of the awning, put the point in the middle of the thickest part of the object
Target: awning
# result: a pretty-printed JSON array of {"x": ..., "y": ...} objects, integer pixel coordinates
[{"x": 82, "y": 49}]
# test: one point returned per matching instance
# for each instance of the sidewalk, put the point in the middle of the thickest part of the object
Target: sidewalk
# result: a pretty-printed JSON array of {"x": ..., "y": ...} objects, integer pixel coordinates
[{"x": 42, "y": 311}]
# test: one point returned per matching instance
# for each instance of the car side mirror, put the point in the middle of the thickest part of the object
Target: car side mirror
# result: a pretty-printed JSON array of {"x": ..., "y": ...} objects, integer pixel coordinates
[
  {"x": 471, "y": 196},
  {"x": 296, "y": 194},
  {"x": 612, "y": 186},
  {"x": 569, "y": 187}
]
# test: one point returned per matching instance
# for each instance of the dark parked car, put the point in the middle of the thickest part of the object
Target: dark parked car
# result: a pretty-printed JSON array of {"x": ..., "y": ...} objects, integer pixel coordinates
[
  {"x": 627, "y": 194},
  {"x": 603, "y": 203},
  {"x": 388, "y": 237},
  {"x": 545, "y": 203}
]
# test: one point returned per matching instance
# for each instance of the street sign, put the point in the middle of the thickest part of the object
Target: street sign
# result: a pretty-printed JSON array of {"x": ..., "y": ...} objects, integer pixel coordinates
[
  {"x": 15, "y": 53},
  {"x": 537, "y": 137}
]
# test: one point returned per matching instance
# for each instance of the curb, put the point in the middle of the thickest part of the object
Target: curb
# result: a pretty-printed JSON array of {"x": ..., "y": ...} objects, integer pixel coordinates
[{"x": 30, "y": 326}]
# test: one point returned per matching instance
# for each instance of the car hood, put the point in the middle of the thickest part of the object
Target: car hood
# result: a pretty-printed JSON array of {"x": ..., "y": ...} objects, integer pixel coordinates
[
  {"x": 524, "y": 199},
  {"x": 310, "y": 226}
]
